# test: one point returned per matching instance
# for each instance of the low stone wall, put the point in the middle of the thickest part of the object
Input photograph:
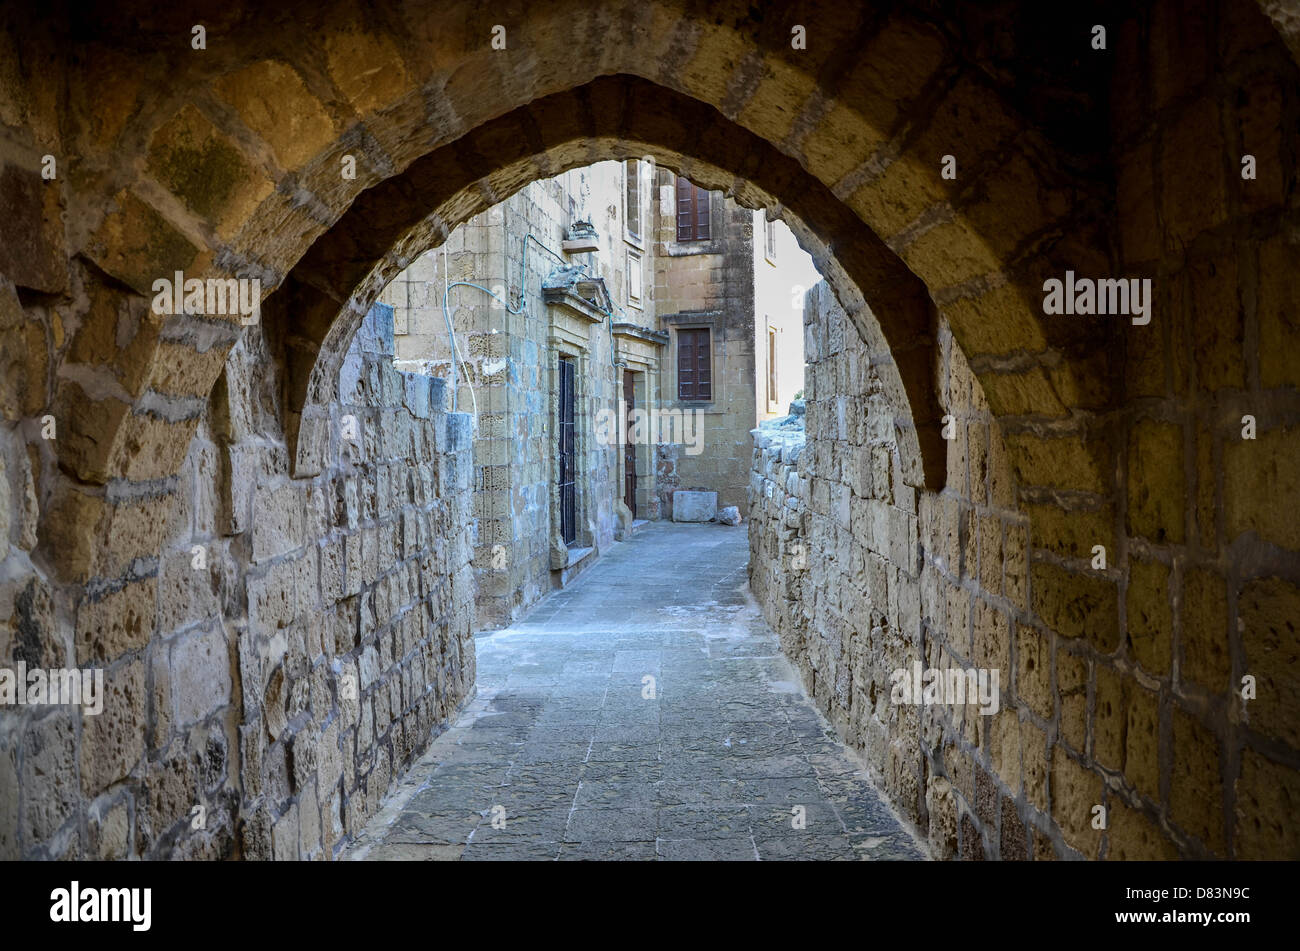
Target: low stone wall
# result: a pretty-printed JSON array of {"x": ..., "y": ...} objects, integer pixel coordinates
[{"x": 375, "y": 651}]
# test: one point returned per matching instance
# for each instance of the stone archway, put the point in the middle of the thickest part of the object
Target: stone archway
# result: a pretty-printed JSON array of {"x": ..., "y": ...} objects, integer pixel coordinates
[
  {"x": 334, "y": 284},
  {"x": 373, "y": 114},
  {"x": 228, "y": 161}
]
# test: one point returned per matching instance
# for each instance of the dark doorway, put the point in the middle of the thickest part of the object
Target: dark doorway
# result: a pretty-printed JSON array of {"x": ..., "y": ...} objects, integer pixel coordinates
[
  {"x": 568, "y": 468},
  {"x": 629, "y": 446}
]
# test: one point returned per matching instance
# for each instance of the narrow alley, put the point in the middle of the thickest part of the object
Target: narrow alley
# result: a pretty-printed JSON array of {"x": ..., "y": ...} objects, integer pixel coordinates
[{"x": 643, "y": 713}]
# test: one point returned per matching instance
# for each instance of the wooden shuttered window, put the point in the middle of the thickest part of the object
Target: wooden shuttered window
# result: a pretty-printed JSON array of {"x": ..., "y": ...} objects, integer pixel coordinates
[
  {"x": 694, "y": 365},
  {"x": 632, "y": 197},
  {"x": 692, "y": 212}
]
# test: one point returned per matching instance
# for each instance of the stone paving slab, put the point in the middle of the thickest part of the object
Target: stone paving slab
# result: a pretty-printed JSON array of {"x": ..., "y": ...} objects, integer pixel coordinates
[{"x": 563, "y": 755}]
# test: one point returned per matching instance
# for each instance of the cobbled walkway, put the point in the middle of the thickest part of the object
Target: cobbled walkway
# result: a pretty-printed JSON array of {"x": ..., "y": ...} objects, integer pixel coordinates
[{"x": 561, "y": 754}]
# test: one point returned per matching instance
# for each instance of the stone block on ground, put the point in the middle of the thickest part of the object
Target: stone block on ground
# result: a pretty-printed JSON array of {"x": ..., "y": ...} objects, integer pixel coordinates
[
  {"x": 691, "y": 506},
  {"x": 729, "y": 515}
]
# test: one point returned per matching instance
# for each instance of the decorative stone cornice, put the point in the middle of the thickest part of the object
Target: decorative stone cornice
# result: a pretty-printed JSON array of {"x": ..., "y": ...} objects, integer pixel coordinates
[
  {"x": 691, "y": 316},
  {"x": 574, "y": 290},
  {"x": 637, "y": 332}
]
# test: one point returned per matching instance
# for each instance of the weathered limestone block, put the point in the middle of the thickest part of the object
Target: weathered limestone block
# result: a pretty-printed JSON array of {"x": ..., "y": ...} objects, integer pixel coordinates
[
  {"x": 284, "y": 836},
  {"x": 34, "y": 636},
  {"x": 113, "y": 742},
  {"x": 255, "y": 834},
  {"x": 691, "y": 506},
  {"x": 201, "y": 675},
  {"x": 1267, "y": 794},
  {"x": 9, "y": 798},
  {"x": 109, "y": 825},
  {"x": 49, "y": 776},
  {"x": 171, "y": 791},
  {"x": 116, "y": 622},
  {"x": 1268, "y": 608},
  {"x": 1196, "y": 782},
  {"x": 278, "y": 521},
  {"x": 32, "y": 207},
  {"x": 291, "y": 120},
  {"x": 271, "y": 598},
  {"x": 6, "y": 514}
]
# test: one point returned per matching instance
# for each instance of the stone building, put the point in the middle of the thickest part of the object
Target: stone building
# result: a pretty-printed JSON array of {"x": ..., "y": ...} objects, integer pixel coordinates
[
  {"x": 728, "y": 282},
  {"x": 783, "y": 274},
  {"x": 601, "y": 279},
  {"x": 532, "y": 304}
]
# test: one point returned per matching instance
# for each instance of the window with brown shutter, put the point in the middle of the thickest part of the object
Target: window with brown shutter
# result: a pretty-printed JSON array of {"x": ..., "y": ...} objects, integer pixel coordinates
[
  {"x": 692, "y": 212},
  {"x": 632, "y": 197},
  {"x": 694, "y": 365}
]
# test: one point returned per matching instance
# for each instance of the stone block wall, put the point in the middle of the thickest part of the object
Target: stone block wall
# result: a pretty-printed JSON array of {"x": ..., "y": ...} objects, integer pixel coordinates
[
  {"x": 862, "y": 575},
  {"x": 274, "y": 649},
  {"x": 1201, "y": 523},
  {"x": 1102, "y": 702},
  {"x": 496, "y": 353},
  {"x": 375, "y": 652}
]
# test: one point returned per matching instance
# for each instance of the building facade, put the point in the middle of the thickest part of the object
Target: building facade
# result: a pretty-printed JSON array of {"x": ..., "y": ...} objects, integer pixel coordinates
[{"x": 616, "y": 332}]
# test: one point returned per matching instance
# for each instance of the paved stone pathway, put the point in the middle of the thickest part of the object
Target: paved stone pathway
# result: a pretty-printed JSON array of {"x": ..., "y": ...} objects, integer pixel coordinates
[{"x": 561, "y": 756}]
